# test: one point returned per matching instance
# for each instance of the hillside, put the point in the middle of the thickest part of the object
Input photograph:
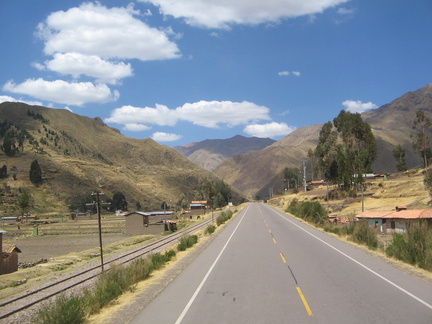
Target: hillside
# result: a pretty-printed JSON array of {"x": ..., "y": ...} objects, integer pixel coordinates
[
  {"x": 78, "y": 155},
  {"x": 256, "y": 173},
  {"x": 211, "y": 153}
]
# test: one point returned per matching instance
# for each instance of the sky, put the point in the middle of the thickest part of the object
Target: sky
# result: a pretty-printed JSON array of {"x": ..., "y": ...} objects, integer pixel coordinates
[{"x": 185, "y": 71}]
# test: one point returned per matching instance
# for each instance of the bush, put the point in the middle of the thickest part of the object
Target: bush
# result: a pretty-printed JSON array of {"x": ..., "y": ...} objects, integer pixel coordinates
[
  {"x": 158, "y": 260},
  {"x": 223, "y": 217},
  {"x": 187, "y": 241},
  {"x": 110, "y": 285},
  {"x": 210, "y": 229},
  {"x": 364, "y": 234},
  {"x": 415, "y": 247},
  {"x": 309, "y": 211},
  {"x": 66, "y": 309}
]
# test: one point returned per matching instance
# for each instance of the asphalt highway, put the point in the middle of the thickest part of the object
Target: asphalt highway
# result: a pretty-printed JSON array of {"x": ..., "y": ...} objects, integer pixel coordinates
[{"x": 268, "y": 267}]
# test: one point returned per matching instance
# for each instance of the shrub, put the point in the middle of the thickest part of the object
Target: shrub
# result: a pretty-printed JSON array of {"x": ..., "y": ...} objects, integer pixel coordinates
[
  {"x": 223, "y": 217},
  {"x": 210, "y": 229},
  {"x": 415, "y": 247},
  {"x": 309, "y": 211},
  {"x": 66, "y": 309},
  {"x": 108, "y": 287},
  {"x": 187, "y": 241},
  {"x": 364, "y": 234}
]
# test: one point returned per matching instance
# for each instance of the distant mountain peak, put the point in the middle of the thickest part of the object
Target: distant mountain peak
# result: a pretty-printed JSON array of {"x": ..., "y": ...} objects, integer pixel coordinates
[{"x": 210, "y": 153}]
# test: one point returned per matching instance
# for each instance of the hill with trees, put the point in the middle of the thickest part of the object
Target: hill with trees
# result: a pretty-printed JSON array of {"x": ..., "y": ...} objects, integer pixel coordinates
[
  {"x": 259, "y": 173},
  {"x": 60, "y": 158}
]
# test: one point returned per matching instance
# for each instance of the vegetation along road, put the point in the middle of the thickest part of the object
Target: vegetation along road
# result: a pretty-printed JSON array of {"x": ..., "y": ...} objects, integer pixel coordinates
[{"x": 268, "y": 267}]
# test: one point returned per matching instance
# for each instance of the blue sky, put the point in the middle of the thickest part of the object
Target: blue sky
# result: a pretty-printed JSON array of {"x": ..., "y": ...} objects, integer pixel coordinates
[{"x": 185, "y": 71}]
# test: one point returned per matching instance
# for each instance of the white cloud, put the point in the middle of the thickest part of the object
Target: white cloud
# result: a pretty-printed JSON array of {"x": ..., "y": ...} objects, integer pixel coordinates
[
  {"x": 165, "y": 137},
  {"x": 59, "y": 91},
  {"x": 223, "y": 13},
  {"x": 93, "y": 29},
  {"x": 161, "y": 115},
  {"x": 211, "y": 114},
  {"x": 76, "y": 64},
  {"x": 287, "y": 73},
  {"x": 134, "y": 127},
  {"x": 11, "y": 99},
  {"x": 358, "y": 106},
  {"x": 269, "y": 130}
]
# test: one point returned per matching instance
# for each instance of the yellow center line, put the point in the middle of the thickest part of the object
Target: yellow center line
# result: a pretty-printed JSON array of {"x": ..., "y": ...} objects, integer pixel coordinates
[
  {"x": 305, "y": 303},
  {"x": 283, "y": 258},
  {"x": 269, "y": 231},
  {"x": 274, "y": 241}
]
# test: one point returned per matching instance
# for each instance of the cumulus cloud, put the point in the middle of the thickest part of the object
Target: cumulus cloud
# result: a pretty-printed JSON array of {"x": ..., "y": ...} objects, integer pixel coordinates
[
  {"x": 223, "y": 13},
  {"x": 211, "y": 114},
  {"x": 160, "y": 115},
  {"x": 357, "y": 106},
  {"x": 269, "y": 130},
  {"x": 165, "y": 137},
  {"x": 59, "y": 91},
  {"x": 76, "y": 64},
  {"x": 93, "y": 29}
]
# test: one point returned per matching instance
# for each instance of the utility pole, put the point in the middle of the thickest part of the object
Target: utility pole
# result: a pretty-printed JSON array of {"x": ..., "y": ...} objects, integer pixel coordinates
[
  {"x": 98, "y": 203},
  {"x": 304, "y": 176}
]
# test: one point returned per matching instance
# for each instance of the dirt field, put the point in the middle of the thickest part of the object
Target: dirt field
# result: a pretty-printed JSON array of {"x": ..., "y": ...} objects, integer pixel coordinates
[
  {"x": 50, "y": 246},
  {"x": 61, "y": 238}
]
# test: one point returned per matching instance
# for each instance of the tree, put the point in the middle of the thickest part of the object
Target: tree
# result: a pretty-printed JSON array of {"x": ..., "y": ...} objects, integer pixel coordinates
[
  {"x": 421, "y": 140},
  {"x": 291, "y": 177},
  {"x": 25, "y": 200},
  {"x": 35, "y": 173},
  {"x": 119, "y": 202},
  {"x": 399, "y": 155},
  {"x": 3, "y": 171},
  {"x": 346, "y": 149}
]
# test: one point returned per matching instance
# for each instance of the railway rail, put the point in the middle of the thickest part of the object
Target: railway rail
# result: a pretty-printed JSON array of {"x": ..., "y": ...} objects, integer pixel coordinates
[{"x": 23, "y": 302}]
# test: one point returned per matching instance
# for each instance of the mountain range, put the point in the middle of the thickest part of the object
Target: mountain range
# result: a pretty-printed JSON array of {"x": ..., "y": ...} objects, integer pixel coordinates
[
  {"x": 257, "y": 173},
  {"x": 78, "y": 155},
  {"x": 212, "y": 152}
]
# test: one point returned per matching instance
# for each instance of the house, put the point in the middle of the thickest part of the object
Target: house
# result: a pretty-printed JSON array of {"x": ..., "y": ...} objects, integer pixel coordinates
[
  {"x": 395, "y": 221},
  {"x": 140, "y": 223},
  {"x": 198, "y": 207},
  {"x": 8, "y": 256}
]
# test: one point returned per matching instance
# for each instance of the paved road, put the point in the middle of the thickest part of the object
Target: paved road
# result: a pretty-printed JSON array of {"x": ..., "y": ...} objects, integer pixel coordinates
[{"x": 267, "y": 267}]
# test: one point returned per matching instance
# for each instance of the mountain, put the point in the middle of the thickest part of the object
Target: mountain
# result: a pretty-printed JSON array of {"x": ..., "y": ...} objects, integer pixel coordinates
[
  {"x": 211, "y": 153},
  {"x": 256, "y": 173},
  {"x": 78, "y": 155}
]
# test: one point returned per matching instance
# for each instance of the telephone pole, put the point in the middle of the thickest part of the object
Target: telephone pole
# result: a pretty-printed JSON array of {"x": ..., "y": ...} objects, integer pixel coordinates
[
  {"x": 98, "y": 203},
  {"x": 304, "y": 176}
]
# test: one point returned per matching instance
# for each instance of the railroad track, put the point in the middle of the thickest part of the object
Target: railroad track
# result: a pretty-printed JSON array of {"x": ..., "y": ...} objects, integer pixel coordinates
[{"x": 23, "y": 302}]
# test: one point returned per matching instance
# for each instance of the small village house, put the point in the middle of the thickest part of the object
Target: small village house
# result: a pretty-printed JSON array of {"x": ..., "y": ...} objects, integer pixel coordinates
[
  {"x": 9, "y": 256},
  {"x": 395, "y": 221},
  {"x": 140, "y": 223},
  {"x": 198, "y": 207}
]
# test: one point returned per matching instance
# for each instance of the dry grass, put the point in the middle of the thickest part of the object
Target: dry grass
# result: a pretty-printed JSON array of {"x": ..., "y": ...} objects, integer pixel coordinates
[{"x": 380, "y": 194}]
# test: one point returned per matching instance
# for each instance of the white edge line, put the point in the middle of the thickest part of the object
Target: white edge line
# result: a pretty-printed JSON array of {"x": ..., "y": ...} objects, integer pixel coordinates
[
  {"x": 359, "y": 263},
  {"x": 189, "y": 304}
]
